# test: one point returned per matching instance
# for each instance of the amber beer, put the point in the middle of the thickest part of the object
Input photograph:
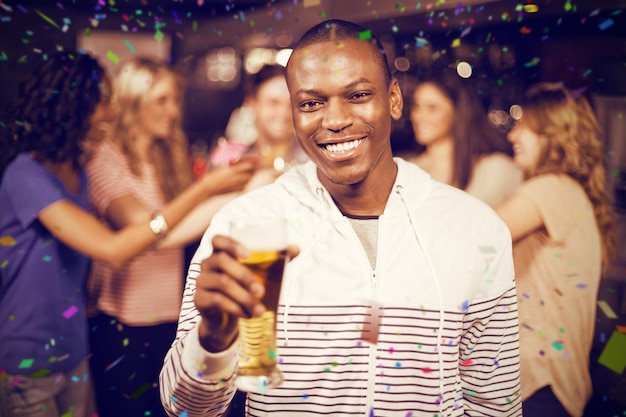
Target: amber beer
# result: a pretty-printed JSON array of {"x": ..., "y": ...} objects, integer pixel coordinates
[
  {"x": 258, "y": 360},
  {"x": 268, "y": 268}
]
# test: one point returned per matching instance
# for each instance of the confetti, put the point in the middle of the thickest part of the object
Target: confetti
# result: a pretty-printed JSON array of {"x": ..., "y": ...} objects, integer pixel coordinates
[
  {"x": 262, "y": 384},
  {"x": 7, "y": 240},
  {"x": 130, "y": 47},
  {"x": 70, "y": 312},
  {"x": 420, "y": 42},
  {"x": 532, "y": 63},
  {"x": 112, "y": 57},
  {"x": 613, "y": 354},
  {"x": 606, "y": 309},
  {"x": 365, "y": 35},
  {"x": 558, "y": 345},
  {"x": 140, "y": 391},
  {"x": 47, "y": 19},
  {"x": 568, "y": 6},
  {"x": 40, "y": 373},
  {"x": 530, "y": 8},
  {"x": 112, "y": 364},
  {"x": 606, "y": 24},
  {"x": 26, "y": 363}
]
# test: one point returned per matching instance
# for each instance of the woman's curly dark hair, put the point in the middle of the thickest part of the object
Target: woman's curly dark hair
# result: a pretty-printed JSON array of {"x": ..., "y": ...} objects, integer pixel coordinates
[{"x": 50, "y": 117}]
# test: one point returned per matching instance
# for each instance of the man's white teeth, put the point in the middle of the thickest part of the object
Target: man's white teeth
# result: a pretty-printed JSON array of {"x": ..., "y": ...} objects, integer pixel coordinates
[
  {"x": 517, "y": 148},
  {"x": 343, "y": 147}
]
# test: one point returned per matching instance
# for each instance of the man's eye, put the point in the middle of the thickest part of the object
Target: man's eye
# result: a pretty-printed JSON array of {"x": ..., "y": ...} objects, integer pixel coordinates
[
  {"x": 360, "y": 95},
  {"x": 308, "y": 105}
]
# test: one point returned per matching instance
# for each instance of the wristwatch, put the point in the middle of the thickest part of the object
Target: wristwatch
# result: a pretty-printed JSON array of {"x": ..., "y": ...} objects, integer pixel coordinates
[{"x": 158, "y": 225}]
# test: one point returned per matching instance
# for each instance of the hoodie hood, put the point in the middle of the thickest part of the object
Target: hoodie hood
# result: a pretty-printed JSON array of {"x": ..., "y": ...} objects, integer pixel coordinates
[{"x": 303, "y": 184}]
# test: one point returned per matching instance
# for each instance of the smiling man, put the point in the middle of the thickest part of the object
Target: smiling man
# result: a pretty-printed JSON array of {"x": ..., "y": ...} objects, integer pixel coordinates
[{"x": 401, "y": 300}]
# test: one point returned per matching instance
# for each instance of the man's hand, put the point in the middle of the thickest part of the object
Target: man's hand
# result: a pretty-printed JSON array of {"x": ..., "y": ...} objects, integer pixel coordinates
[{"x": 225, "y": 291}]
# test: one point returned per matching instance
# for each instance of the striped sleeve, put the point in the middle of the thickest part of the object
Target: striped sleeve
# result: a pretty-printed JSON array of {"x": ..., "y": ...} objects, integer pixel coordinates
[
  {"x": 489, "y": 357},
  {"x": 109, "y": 175},
  {"x": 194, "y": 382}
]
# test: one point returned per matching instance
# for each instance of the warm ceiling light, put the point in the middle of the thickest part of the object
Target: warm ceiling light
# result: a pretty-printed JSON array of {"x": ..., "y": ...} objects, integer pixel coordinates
[
  {"x": 402, "y": 64},
  {"x": 282, "y": 56},
  {"x": 464, "y": 69},
  {"x": 516, "y": 111}
]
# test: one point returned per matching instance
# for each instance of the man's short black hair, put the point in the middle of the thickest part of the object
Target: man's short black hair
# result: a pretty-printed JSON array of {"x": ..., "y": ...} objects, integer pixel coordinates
[{"x": 337, "y": 30}]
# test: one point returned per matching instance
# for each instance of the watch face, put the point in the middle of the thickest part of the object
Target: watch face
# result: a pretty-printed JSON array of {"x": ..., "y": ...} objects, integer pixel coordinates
[{"x": 156, "y": 224}]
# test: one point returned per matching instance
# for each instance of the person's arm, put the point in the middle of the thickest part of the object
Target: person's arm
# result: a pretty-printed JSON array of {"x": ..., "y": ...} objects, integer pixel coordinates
[
  {"x": 199, "y": 370},
  {"x": 194, "y": 224},
  {"x": 520, "y": 214},
  {"x": 489, "y": 362},
  {"x": 490, "y": 357},
  {"x": 194, "y": 380},
  {"x": 82, "y": 231},
  {"x": 495, "y": 178}
]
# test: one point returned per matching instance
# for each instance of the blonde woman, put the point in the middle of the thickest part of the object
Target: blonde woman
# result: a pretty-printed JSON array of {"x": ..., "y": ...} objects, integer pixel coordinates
[
  {"x": 141, "y": 166},
  {"x": 560, "y": 221}
]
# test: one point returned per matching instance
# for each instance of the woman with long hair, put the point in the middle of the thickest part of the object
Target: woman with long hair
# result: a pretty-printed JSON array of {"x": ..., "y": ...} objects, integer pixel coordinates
[
  {"x": 457, "y": 144},
  {"x": 48, "y": 235},
  {"x": 142, "y": 165},
  {"x": 561, "y": 224}
]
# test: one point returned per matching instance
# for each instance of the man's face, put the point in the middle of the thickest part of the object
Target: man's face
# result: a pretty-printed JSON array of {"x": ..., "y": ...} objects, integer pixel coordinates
[{"x": 342, "y": 109}]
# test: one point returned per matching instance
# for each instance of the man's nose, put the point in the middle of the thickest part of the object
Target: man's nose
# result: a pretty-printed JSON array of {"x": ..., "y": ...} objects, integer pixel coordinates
[{"x": 337, "y": 115}]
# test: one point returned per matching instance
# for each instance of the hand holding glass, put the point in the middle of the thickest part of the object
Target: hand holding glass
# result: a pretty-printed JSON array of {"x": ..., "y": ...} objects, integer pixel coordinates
[{"x": 266, "y": 239}]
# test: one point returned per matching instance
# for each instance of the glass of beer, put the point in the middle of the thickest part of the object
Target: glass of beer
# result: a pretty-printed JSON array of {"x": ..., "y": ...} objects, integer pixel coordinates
[{"x": 266, "y": 239}]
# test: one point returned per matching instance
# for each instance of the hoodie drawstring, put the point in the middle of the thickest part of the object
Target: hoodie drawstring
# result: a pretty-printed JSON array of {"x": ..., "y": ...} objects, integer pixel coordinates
[
  {"x": 319, "y": 191},
  {"x": 399, "y": 191},
  {"x": 325, "y": 213}
]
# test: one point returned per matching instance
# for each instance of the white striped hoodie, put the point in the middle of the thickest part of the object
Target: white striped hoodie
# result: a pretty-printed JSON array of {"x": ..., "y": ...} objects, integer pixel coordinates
[{"x": 442, "y": 299}]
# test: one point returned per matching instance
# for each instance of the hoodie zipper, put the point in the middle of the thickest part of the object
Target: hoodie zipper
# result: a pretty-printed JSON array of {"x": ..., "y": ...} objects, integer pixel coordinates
[
  {"x": 375, "y": 321},
  {"x": 375, "y": 327}
]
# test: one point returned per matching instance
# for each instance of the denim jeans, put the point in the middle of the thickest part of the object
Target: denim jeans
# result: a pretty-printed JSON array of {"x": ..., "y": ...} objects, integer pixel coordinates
[{"x": 69, "y": 393}]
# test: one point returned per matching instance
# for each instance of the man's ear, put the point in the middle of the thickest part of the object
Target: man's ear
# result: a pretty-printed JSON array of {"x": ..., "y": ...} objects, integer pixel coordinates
[{"x": 395, "y": 100}]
